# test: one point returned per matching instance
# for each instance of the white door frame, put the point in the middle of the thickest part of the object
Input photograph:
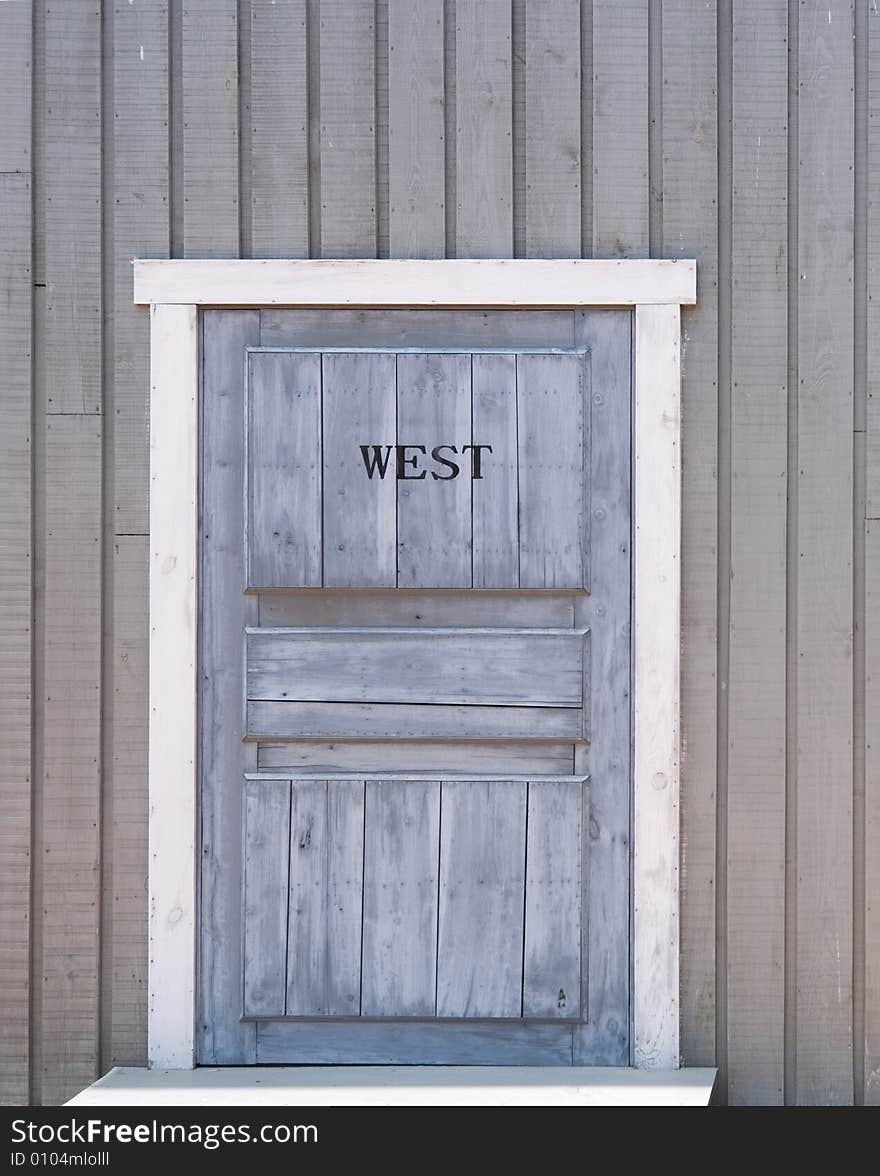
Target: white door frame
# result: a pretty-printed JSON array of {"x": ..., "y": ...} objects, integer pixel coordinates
[{"x": 174, "y": 291}]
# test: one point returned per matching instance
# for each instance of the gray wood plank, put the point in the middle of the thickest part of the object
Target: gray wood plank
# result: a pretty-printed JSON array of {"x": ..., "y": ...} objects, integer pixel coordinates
[
  {"x": 496, "y": 499},
  {"x": 441, "y": 666},
  {"x": 824, "y": 669},
  {"x": 434, "y": 510},
  {"x": 16, "y": 64},
  {"x": 348, "y": 130},
  {"x": 284, "y": 540},
  {"x": 605, "y": 1039},
  {"x": 401, "y": 865},
  {"x": 417, "y": 328},
  {"x": 266, "y": 884},
  {"x": 141, "y": 228},
  {"x": 553, "y": 437},
  {"x": 500, "y": 758},
  {"x": 689, "y": 228},
  {"x": 125, "y": 809},
  {"x": 16, "y": 562},
  {"x": 872, "y": 813},
  {"x": 326, "y": 898},
  {"x": 66, "y": 1001},
  {"x": 416, "y": 609},
  {"x": 360, "y": 516},
  {"x": 210, "y": 128},
  {"x": 416, "y": 134},
  {"x": 872, "y": 172},
  {"x": 482, "y": 870},
  {"x": 553, "y": 129},
  {"x": 221, "y": 1037},
  {"x": 71, "y": 207},
  {"x": 620, "y": 128},
  {"x": 756, "y": 677},
  {"x": 555, "y": 892},
  {"x": 279, "y": 129},
  {"x": 484, "y": 130},
  {"x": 321, "y": 720},
  {"x": 374, "y": 1043}
]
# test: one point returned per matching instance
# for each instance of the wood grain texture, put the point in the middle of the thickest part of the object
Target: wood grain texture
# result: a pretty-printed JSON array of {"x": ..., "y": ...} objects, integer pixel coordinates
[
  {"x": 72, "y": 208},
  {"x": 434, "y": 544},
  {"x": 266, "y": 885},
  {"x": 759, "y": 437},
  {"x": 553, "y": 396},
  {"x": 495, "y": 500},
  {"x": 824, "y": 1063},
  {"x": 689, "y": 229},
  {"x": 348, "y": 129},
  {"x": 872, "y": 165},
  {"x": 552, "y": 959},
  {"x": 221, "y": 1037},
  {"x": 503, "y": 758},
  {"x": 620, "y": 128},
  {"x": 416, "y": 129},
  {"x": 67, "y": 997},
  {"x": 141, "y": 228},
  {"x": 418, "y": 608},
  {"x": 16, "y": 581},
  {"x": 279, "y": 129},
  {"x": 284, "y": 486},
  {"x": 16, "y": 70},
  {"x": 326, "y": 898},
  {"x": 482, "y": 876},
  {"x": 439, "y": 667},
  {"x": 872, "y": 813},
  {"x": 340, "y": 720},
  {"x": 401, "y": 865},
  {"x": 484, "y": 129},
  {"x": 553, "y": 129},
  {"x": 124, "y": 861},
  {"x": 360, "y": 529},
  {"x": 210, "y": 128}
]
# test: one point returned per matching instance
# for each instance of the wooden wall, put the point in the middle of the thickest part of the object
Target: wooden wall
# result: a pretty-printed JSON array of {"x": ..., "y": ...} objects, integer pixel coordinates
[{"x": 743, "y": 132}]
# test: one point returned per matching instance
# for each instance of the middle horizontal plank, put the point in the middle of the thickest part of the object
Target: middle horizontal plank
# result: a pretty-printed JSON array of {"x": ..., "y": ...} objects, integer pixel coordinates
[{"x": 492, "y": 667}]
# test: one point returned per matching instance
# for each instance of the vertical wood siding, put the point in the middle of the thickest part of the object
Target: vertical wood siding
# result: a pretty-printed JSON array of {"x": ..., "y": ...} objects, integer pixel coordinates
[{"x": 744, "y": 133}]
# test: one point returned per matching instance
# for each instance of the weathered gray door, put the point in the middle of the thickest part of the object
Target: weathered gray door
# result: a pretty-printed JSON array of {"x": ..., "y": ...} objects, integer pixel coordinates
[{"x": 415, "y": 729}]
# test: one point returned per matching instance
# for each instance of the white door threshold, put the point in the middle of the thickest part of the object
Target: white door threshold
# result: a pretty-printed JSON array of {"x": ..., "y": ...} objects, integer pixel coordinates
[{"x": 400, "y": 1086}]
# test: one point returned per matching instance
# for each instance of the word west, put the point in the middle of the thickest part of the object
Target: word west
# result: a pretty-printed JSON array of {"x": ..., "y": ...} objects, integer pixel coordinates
[{"x": 410, "y": 461}]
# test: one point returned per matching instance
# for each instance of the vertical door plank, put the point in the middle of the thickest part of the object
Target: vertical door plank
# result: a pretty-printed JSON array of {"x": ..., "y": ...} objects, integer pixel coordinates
[
  {"x": 496, "y": 494},
  {"x": 484, "y": 129},
  {"x": 553, "y": 129},
  {"x": 326, "y": 898},
  {"x": 141, "y": 228},
  {"x": 434, "y": 509},
  {"x": 72, "y": 195},
  {"x": 482, "y": 873},
  {"x": 401, "y": 861},
  {"x": 873, "y": 217},
  {"x": 605, "y": 1039},
  {"x": 222, "y": 1038},
  {"x": 416, "y": 129},
  {"x": 16, "y": 550},
  {"x": 279, "y": 130},
  {"x": 825, "y": 576},
  {"x": 360, "y": 517},
  {"x": 125, "y": 811},
  {"x": 67, "y": 1004},
  {"x": 284, "y": 470},
  {"x": 554, "y": 893},
  {"x": 620, "y": 128},
  {"x": 348, "y": 129},
  {"x": 266, "y": 865},
  {"x": 759, "y": 431},
  {"x": 552, "y": 393},
  {"x": 690, "y": 229},
  {"x": 210, "y": 128},
  {"x": 872, "y": 813}
]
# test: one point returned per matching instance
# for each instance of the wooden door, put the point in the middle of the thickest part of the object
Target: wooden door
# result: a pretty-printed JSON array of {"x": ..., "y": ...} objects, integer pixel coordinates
[{"x": 415, "y": 665}]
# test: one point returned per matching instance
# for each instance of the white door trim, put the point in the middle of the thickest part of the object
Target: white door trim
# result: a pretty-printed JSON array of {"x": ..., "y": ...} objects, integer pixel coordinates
[{"x": 174, "y": 290}]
